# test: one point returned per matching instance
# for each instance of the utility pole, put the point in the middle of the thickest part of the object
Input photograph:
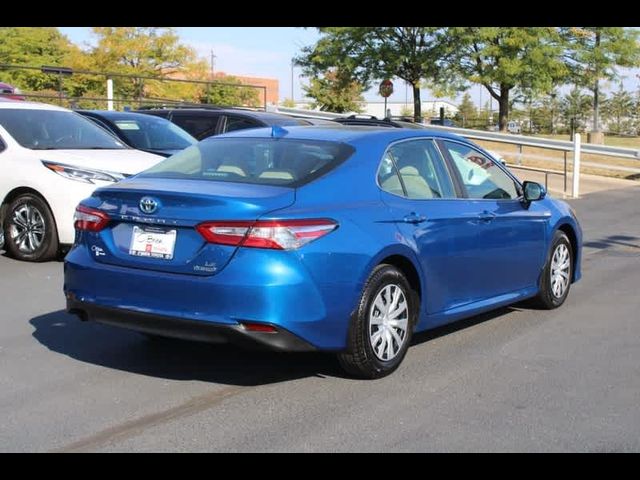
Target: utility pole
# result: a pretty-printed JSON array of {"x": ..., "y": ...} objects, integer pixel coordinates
[
  {"x": 212, "y": 63},
  {"x": 292, "y": 65}
]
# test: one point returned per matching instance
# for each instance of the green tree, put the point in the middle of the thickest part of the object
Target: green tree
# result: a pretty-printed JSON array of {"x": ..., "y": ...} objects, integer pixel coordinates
[
  {"x": 576, "y": 105},
  {"x": 619, "y": 111},
  {"x": 406, "y": 111},
  {"x": 145, "y": 51},
  {"x": 595, "y": 53},
  {"x": 334, "y": 92},
  {"x": 466, "y": 110},
  {"x": 365, "y": 54},
  {"x": 288, "y": 103},
  {"x": 34, "y": 47},
  {"x": 226, "y": 91},
  {"x": 504, "y": 58}
]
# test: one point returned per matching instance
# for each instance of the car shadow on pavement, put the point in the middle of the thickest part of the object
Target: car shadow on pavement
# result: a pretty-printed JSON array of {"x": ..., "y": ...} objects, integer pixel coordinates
[
  {"x": 130, "y": 351},
  {"x": 614, "y": 241},
  {"x": 425, "y": 336}
]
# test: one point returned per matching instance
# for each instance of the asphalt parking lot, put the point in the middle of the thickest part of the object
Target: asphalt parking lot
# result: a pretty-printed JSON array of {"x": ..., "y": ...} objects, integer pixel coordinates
[{"x": 516, "y": 379}]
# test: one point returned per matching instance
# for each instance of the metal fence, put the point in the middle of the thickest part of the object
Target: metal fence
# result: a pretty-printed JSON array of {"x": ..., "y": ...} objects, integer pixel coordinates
[
  {"x": 60, "y": 86},
  {"x": 575, "y": 149}
]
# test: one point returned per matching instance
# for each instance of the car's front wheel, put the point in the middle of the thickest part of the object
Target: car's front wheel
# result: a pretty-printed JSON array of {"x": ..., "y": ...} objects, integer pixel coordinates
[
  {"x": 30, "y": 230},
  {"x": 557, "y": 274},
  {"x": 382, "y": 325}
]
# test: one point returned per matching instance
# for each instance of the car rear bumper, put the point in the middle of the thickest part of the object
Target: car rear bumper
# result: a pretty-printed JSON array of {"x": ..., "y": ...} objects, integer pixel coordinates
[
  {"x": 185, "y": 329},
  {"x": 267, "y": 287}
]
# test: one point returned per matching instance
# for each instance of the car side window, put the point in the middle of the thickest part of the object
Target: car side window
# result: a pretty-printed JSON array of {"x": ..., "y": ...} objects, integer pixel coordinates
[
  {"x": 199, "y": 126},
  {"x": 388, "y": 178},
  {"x": 481, "y": 177},
  {"x": 419, "y": 170},
  {"x": 2, "y": 145},
  {"x": 240, "y": 123}
]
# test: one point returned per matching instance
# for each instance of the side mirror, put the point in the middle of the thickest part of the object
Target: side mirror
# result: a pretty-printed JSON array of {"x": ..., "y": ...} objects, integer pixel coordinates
[{"x": 533, "y": 191}]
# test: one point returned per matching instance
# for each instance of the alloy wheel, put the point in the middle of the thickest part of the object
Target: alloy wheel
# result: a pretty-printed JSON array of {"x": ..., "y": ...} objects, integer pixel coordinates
[{"x": 27, "y": 228}]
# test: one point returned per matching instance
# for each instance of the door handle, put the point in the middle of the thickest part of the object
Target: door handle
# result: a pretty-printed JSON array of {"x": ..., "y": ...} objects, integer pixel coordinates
[
  {"x": 414, "y": 218},
  {"x": 486, "y": 216}
]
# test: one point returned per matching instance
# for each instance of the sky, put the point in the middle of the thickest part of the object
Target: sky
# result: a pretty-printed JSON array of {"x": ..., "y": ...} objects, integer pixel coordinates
[{"x": 267, "y": 52}]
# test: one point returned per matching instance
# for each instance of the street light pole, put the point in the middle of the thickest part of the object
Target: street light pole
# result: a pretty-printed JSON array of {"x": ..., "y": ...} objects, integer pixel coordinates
[
  {"x": 553, "y": 106},
  {"x": 212, "y": 63},
  {"x": 292, "y": 65}
]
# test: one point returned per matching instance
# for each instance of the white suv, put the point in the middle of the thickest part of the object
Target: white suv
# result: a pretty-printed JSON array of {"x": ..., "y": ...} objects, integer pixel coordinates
[{"x": 52, "y": 158}]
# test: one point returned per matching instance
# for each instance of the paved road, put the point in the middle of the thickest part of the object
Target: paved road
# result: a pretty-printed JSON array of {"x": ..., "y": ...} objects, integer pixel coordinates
[{"x": 513, "y": 380}]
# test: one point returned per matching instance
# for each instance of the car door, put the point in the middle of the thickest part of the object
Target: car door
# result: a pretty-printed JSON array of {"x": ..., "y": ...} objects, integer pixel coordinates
[
  {"x": 511, "y": 234},
  {"x": 425, "y": 205},
  {"x": 200, "y": 124}
]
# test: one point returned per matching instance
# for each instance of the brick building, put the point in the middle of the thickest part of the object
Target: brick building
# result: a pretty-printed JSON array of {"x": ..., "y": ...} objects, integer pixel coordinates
[{"x": 272, "y": 85}]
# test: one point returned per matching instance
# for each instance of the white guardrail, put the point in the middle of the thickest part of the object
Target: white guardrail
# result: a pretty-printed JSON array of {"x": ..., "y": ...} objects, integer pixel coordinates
[
  {"x": 541, "y": 142},
  {"x": 575, "y": 147}
]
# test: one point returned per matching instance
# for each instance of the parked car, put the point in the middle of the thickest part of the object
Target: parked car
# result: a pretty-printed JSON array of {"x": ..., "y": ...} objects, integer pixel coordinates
[
  {"x": 335, "y": 239},
  {"x": 373, "y": 121},
  {"x": 447, "y": 122},
  {"x": 51, "y": 159},
  {"x": 204, "y": 121},
  {"x": 513, "y": 127},
  {"x": 11, "y": 92},
  {"x": 144, "y": 132}
]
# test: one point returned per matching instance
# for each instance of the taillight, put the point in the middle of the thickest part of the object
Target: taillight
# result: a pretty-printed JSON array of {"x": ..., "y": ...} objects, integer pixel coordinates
[
  {"x": 90, "y": 219},
  {"x": 274, "y": 234}
]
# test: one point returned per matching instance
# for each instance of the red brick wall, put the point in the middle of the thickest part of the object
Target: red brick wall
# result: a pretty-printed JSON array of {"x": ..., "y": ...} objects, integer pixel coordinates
[{"x": 272, "y": 85}]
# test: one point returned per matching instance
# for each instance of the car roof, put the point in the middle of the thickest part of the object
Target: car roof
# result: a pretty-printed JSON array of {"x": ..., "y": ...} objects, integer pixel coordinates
[
  {"x": 32, "y": 106},
  {"x": 339, "y": 133},
  {"x": 267, "y": 117},
  {"x": 115, "y": 115}
]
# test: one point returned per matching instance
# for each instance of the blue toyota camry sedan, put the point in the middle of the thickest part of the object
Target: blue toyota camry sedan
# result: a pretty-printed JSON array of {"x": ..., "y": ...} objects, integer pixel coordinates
[{"x": 340, "y": 239}]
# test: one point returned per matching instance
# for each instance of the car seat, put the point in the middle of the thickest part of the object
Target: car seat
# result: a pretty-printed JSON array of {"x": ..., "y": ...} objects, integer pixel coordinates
[{"x": 411, "y": 163}]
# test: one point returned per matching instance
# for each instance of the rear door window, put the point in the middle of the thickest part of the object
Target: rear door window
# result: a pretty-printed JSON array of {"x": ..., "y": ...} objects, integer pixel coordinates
[
  {"x": 240, "y": 123},
  {"x": 200, "y": 126},
  {"x": 415, "y": 169}
]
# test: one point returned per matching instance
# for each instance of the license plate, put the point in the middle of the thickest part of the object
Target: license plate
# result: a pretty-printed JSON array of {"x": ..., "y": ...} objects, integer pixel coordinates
[{"x": 154, "y": 243}]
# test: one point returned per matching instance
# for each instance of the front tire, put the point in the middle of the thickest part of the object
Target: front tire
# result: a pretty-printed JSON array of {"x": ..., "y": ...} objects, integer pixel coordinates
[
  {"x": 30, "y": 230},
  {"x": 382, "y": 325},
  {"x": 557, "y": 274}
]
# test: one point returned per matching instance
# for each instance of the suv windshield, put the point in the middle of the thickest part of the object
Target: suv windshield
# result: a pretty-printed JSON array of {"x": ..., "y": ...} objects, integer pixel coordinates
[
  {"x": 265, "y": 161},
  {"x": 55, "y": 130},
  {"x": 153, "y": 133}
]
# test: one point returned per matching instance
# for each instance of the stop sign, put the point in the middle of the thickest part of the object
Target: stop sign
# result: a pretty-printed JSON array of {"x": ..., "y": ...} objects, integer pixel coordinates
[{"x": 386, "y": 88}]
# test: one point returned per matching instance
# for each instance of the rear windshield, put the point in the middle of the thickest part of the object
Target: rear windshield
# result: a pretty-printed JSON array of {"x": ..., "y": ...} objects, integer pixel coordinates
[{"x": 264, "y": 161}]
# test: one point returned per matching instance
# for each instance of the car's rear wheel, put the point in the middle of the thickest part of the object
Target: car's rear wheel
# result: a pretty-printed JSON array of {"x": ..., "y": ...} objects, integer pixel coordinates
[
  {"x": 558, "y": 272},
  {"x": 382, "y": 325},
  {"x": 30, "y": 230}
]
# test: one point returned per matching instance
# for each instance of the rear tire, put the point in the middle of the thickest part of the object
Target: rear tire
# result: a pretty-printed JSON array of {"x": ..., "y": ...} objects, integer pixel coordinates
[
  {"x": 382, "y": 325},
  {"x": 557, "y": 274},
  {"x": 30, "y": 232}
]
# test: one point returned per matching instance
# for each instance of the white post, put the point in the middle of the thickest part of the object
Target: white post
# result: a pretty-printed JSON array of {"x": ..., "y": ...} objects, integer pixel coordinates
[
  {"x": 576, "y": 165},
  {"x": 109, "y": 94}
]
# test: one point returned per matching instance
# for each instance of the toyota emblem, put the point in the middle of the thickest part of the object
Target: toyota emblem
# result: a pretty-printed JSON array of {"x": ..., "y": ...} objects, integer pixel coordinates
[{"x": 148, "y": 205}]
